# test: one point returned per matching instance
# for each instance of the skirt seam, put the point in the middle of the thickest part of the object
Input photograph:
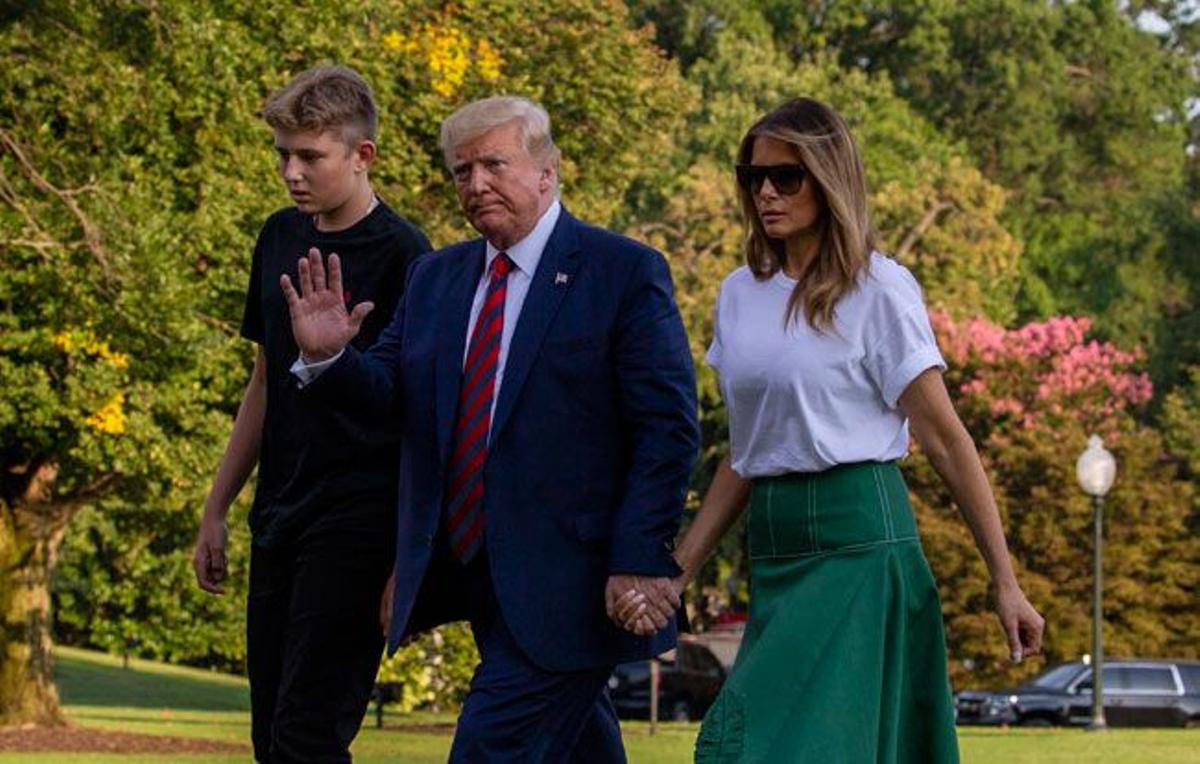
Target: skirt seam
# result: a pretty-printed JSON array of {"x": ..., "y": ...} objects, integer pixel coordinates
[
  {"x": 812, "y": 515},
  {"x": 839, "y": 550},
  {"x": 770, "y": 517},
  {"x": 887, "y": 504},
  {"x": 887, "y": 525}
]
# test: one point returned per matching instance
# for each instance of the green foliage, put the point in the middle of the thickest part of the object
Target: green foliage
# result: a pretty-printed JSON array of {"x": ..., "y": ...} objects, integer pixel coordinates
[
  {"x": 1030, "y": 398},
  {"x": 1080, "y": 114},
  {"x": 1181, "y": 424},
  {"x": 134, "y": 174},
  {"x": 104, "y": 596},
  {"x": 1025, "y": 159},
  {"x": 434, "y": 669},
  {"x": 939, "y": 215}
]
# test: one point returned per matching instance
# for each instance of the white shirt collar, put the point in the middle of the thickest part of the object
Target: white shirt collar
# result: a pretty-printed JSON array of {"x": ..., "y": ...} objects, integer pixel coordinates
[{"x": 527, "y": 253}]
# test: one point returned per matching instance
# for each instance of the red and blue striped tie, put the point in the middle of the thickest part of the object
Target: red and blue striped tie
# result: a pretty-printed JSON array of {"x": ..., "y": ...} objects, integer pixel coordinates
[{"x": 464, "y": 492}]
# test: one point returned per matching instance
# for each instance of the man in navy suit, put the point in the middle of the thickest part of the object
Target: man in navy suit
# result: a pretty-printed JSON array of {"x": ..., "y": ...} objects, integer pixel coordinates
[{"x": 542, "y": 382}]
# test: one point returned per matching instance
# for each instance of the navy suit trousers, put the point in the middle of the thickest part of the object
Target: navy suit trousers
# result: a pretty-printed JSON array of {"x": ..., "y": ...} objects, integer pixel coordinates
[{"x": 517, "y": 711}]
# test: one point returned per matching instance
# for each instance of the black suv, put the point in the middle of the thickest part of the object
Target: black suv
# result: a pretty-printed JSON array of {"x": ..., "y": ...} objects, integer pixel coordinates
[
  {"x": 1137, "y": 693},
  {"x": 690, "y": 676}
]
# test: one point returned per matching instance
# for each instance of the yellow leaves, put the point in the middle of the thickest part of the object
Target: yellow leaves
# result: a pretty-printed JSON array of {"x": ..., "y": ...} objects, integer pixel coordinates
[
  {"x": 394, "y": 41},
  {"x": 86, "y": 342},
  {"x": 488, "y": 61},
  {"x": 449, "y": 54},
  {"x": 111, "y": 417}
]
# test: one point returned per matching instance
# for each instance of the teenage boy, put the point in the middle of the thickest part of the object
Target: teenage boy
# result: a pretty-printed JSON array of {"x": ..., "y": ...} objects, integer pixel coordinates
[{"x": 323, "y": 518}]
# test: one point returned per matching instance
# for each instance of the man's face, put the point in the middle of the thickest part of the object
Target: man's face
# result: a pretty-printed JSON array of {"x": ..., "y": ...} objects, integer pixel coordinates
[
  {"x": 319, "y": 169},
  {"x": 503, "y": 190}
]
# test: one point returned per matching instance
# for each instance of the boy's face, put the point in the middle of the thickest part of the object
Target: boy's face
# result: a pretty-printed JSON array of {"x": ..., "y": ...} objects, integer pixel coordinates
[{"x": 319, "y": 169}]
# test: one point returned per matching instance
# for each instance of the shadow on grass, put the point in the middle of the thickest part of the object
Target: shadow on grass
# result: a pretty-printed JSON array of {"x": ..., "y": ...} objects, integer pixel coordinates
[{"x": 94, "y": 682}]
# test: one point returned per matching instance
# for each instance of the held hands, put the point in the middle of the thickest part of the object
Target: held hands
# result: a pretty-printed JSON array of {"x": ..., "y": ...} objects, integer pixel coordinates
[
  {"x": 641, "y": 604},
  {"x": 208, "y": 559},
  {"x": 1022, "y": 624},
  {"x": 320, "y": 323}
]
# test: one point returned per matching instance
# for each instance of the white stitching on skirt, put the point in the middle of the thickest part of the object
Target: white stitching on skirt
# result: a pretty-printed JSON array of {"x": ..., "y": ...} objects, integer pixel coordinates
[
  {"x": 770, "y": 520},
  {"x": 883, "y": 505}
]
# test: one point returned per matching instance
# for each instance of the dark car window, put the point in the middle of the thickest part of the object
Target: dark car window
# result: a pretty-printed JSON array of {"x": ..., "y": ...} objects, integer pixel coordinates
[
  {"x": 1190, "y": 674},
  {"x": 1113, "y": 680},
  {"x": 1057, "y": 677},
  {"x": 1147, "y": 679},
  {"x": 1134, "y": 679}
]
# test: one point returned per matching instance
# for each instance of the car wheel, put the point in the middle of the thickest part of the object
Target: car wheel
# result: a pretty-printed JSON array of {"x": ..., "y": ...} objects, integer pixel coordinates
[{"x": 680, "y": 712}]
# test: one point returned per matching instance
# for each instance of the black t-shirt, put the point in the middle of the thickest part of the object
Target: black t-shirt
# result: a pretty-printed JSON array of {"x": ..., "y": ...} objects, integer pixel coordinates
[{"x": 314, "y": 461}]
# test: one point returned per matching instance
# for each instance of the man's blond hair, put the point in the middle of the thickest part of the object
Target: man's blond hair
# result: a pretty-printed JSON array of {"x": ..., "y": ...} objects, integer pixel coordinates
[{"x": 479, "y": 117}]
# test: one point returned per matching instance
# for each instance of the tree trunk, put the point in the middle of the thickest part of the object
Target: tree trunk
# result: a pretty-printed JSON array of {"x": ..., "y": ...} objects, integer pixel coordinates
[{"x": 30, "y": 533}]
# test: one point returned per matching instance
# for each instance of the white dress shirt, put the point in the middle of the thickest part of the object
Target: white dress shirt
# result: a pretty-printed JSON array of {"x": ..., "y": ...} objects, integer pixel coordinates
[{"x": 525, "y": 256}]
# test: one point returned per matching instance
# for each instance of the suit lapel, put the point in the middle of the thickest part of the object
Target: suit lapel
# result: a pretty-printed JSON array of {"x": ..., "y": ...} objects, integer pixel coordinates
[
  {"x": 551, "y": 282},
  {"x": 452, "y": 339}
]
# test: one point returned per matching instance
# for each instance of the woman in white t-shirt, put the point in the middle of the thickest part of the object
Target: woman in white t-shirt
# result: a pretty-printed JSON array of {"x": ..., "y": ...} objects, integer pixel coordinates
[{"x": 826, "y": 357}]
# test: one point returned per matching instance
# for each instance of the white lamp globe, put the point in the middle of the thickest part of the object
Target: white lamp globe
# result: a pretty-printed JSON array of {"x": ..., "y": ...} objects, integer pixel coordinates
[{"x": 1096, "y": 468}]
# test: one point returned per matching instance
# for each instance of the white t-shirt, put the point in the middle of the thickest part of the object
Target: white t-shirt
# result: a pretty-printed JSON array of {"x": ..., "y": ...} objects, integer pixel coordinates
[{"x": 803, "y": 401}]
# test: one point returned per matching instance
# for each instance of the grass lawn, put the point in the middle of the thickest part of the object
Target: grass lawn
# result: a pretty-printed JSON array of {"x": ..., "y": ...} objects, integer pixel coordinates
[{"x": 154, "y": 698}]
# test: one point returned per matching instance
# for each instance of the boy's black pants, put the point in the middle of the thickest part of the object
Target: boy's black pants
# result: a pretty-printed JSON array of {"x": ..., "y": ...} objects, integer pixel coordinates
[{"x": 313, "y": 635}]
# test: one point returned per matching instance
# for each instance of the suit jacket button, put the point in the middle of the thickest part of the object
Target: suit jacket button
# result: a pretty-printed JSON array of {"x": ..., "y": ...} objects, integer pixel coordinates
[{"x": 428, "y": 540}]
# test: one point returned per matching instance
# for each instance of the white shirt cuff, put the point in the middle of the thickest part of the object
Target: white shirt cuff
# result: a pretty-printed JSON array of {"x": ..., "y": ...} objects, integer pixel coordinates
[{"x": 306, "y": 372}]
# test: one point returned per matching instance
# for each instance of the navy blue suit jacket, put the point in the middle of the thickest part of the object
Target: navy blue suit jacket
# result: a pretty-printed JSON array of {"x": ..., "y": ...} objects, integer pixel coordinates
[{"x": 592, "y": 443}]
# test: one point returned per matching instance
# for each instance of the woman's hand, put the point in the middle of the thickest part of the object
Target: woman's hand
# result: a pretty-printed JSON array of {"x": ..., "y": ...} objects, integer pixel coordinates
[{"x": 1022, "y": 624}]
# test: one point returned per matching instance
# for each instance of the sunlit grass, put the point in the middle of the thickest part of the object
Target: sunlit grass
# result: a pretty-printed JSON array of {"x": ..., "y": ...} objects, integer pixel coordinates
[{"x": 158, "y": 699}]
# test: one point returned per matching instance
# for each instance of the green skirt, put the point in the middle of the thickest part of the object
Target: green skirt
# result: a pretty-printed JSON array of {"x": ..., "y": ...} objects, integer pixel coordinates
[{"x": 844, "y": 657}]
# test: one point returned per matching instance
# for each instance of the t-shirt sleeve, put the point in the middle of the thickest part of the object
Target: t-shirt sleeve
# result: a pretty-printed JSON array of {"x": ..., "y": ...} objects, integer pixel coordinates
[
  {"x": 900, "y": 343},
  {"x": 252, "y": 316}
]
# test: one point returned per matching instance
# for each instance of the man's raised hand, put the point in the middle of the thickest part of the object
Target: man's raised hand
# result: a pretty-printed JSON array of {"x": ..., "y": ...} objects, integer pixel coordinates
[{"x": 320, "y": 323}]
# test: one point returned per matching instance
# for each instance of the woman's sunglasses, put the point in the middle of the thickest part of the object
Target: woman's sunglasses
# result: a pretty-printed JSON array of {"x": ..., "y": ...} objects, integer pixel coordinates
[{"x": 785, "y": 178}]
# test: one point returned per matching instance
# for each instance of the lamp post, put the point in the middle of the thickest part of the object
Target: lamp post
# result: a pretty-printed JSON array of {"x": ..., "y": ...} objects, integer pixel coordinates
[{"x": 1095, "y": 471}]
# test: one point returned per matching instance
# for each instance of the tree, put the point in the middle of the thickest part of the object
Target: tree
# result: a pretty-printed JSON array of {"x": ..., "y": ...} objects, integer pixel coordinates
[
  {"x": 134, "y": 174},
  {"x": 938, "y": 216},
  {"x": 1080, "y": 112},
  {"x": 433, "y": 670},
  {"x": 1030, "y": 397},
  {"x": 993, "y": 132}
]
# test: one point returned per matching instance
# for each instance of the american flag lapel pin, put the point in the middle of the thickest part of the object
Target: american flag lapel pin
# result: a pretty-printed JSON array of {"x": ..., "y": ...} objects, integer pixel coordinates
[{"x": 561, "y": 278}]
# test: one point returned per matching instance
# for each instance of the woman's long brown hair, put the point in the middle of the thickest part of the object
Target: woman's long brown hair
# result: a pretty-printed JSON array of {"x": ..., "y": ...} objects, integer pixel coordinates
[{"x": 828, "y": 151}]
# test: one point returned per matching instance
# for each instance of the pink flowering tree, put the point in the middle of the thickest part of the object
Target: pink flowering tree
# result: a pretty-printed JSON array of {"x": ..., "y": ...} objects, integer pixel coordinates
[
  {"x": 1042, "y": 375},
  {"x": 1030, "y": 397}
]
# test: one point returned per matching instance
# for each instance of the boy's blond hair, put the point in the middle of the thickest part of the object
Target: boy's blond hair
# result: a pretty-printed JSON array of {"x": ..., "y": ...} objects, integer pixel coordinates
[{"x": 325, "y": 98}]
